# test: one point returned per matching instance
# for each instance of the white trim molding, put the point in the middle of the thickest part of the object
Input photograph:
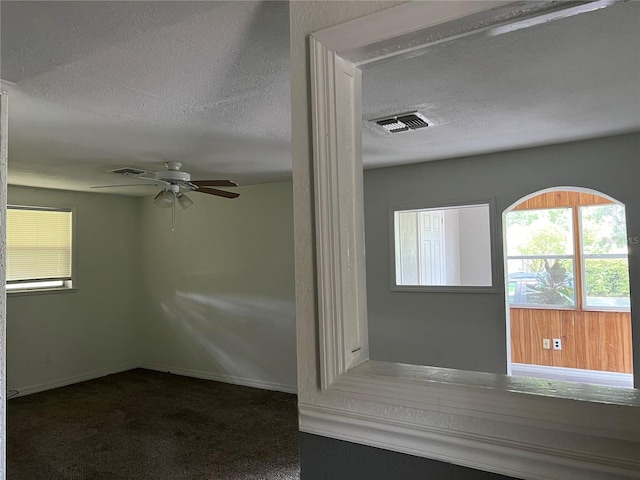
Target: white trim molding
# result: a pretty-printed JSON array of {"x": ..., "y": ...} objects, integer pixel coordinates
[
  {"x": 63, "y": 382},
  {"x": 594, "y": 377},
  {"x": 220, "y": 377},
  {"x": 522, "y": 427},
  {"x": 186, "y": 372},
  {"x": 340, "y": 230},
  {"x": 4, "y": 111}
]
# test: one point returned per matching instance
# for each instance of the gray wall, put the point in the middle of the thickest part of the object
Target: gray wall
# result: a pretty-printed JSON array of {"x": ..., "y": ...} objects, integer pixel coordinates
[
  {"x": 328, "y": 459},
  {"x": 89, "y": 332},
  {"x": 464, "y": 330}
]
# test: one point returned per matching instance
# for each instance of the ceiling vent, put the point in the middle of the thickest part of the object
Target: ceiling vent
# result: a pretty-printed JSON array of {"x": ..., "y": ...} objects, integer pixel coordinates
[
  {"x": 402, "y": 122},
  {"x": 134, "y": 172}
]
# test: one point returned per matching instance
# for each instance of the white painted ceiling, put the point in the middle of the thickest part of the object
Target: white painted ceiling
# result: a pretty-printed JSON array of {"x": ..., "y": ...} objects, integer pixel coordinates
[
  {"x": 566, "y": 80},
  {"x": 101, "y": 85}
]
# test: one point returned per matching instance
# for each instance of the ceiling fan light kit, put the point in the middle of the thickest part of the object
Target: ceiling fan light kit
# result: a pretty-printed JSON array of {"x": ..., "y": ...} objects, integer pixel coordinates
[
  {"x": 164, "y": 199},
  {"x": 183, "y": 200}
]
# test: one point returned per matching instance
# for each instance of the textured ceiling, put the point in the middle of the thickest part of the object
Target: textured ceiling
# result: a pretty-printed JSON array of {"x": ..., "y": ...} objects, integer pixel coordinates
[
  {"x": 101, "y": 85},
  {"x": 565, "y": 80}
]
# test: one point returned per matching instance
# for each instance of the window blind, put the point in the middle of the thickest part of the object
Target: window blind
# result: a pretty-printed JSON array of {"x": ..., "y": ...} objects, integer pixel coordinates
[{"x": 38, "y": 244}]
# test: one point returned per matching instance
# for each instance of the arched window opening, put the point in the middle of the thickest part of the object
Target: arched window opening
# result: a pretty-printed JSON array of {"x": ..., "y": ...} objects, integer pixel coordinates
[{"x": 567, "y": 281}]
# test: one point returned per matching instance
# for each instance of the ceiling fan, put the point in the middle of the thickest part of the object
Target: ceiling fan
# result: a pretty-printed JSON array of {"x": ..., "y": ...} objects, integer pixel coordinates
[{"x": 173, "y": 182}]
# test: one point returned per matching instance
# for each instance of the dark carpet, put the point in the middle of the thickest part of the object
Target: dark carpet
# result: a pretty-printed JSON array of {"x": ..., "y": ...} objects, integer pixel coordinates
[{"x": 142, "y": 424}]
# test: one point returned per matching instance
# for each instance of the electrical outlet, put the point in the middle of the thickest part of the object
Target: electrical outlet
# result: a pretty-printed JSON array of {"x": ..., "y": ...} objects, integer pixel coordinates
[
  {"x": 48, "y": 357},
  {"x": 557, "y": 344},
  {"x": 546, "y": 343}
]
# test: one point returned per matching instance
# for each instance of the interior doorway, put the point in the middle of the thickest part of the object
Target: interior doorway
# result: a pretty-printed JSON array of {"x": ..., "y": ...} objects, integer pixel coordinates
[{"x": 567, "y": 283}]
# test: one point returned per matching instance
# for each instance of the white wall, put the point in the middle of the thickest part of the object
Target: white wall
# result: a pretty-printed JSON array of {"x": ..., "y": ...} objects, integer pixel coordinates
[
  {"x": 219, "y": 290},
  {"x": 468, "y": 330},
  {"x": 475, "y": 246},
  {"x": 214, "y": 298},
  {"x": 92, "y": 331},
  {"x": 452, "y": 246}
]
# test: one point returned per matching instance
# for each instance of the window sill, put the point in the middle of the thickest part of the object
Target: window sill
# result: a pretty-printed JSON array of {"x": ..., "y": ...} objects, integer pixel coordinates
[
  {"x": 516, "y": 426},
  {"x": 422, "y": 381},
  {"x": 571, "y": 309},
  {"x": 41, "y": 291},
  {"x": 567, "y": 308},
  {"x": 445, "y": 288}
]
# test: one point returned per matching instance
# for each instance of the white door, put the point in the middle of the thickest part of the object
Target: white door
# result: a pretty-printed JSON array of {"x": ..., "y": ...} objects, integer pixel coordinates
[{"x": 432, "y": 248}]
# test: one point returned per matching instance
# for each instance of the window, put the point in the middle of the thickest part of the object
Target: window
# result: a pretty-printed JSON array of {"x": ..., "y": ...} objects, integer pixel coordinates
[
  {"x": 39, "y": 248},
  {"x": 540, "y": 257},
  {"x": 605, "y": 264},
  {"x": 448, "y": 246},
  {"x": 550, "y": 265}
]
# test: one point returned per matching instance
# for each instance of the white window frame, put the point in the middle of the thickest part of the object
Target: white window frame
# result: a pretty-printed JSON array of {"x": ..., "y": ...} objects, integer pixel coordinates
[
  {"x": 495, "y": 274},
  {"x": 599, "y": 256},
  {"x": 580, "y": 296},
  {"x": 507, "y": 425},
  {"x": 583, "y": 268},
  {"x": 572, "y": 256},
  {"x": 37, "y": 287}
]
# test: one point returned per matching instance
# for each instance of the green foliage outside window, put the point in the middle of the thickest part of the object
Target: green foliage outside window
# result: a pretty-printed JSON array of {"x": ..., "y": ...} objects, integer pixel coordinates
[{"x": 607, "y": 278}]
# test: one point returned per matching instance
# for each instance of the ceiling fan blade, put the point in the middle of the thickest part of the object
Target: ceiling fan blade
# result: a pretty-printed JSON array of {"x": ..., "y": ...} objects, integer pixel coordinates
[
  {"x": 214, "y": 183},
  {"x": 219, "y": 193},
  {"x": 128, "y": 185}
]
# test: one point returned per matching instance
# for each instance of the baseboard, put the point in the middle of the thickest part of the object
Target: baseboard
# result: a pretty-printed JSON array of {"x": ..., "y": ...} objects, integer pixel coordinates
[
  {"x": 218, "y": 377},
  {"x": 609, "y": 379},
  {"x": 63, "y": 382},
  {"x": 247, "y": 382}
]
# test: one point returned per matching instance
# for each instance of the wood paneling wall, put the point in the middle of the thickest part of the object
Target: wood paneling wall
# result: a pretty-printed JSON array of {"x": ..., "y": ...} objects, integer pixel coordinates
[
  {"x": 590, "y": 340},
  {"x": 561, "y": 198}
]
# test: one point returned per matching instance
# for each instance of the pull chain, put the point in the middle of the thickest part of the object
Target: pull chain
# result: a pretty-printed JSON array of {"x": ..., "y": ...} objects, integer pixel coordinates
[{"x": 173, "y": 211}]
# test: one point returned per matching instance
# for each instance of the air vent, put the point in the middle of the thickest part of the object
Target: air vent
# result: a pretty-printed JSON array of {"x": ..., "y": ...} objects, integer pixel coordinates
[
  {"x": 392, "y": 125},
  {"x": 133, "y": 172},
  {"x": 402, "y": 122}
]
